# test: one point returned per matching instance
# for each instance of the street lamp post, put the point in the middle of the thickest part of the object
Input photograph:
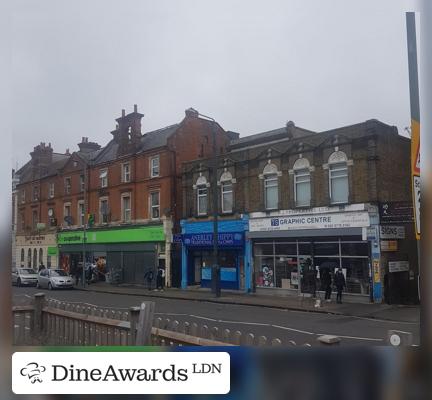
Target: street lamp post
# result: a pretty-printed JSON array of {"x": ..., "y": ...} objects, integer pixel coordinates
[
  {"x": 216, "y": 287},
  {"x": 84, "y": 229}
]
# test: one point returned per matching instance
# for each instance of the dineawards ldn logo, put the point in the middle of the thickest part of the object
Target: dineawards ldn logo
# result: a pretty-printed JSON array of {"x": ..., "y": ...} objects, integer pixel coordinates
[
  {"x": 121, "y": 373},
  {"x": 33, "y": 371}
]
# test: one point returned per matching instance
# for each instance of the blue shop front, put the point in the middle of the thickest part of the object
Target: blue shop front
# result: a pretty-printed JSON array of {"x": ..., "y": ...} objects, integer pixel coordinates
[{"x": 234, "y": 254}]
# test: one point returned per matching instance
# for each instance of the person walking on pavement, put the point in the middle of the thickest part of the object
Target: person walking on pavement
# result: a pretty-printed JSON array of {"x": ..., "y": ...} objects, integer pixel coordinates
[
  {"x": 149, "y": 277},
  {"x": 326, "y": 280},
  {"x": 41, "y": 266},
  {"x": 160, "y": 278},
  {"x": 339, "y": 281}
]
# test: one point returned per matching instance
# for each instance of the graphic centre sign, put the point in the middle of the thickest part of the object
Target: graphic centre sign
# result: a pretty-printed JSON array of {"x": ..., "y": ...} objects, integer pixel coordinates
[{"x": 320, "y": 221}]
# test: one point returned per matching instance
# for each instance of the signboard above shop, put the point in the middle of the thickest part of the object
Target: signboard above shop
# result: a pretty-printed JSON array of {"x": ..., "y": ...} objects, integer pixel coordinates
[
  {"x": 399, "y": 212},
  {"x": 206, "y": 239},
  {"x": 392, "y": 232},
  {"x": 318, "y": 221}
]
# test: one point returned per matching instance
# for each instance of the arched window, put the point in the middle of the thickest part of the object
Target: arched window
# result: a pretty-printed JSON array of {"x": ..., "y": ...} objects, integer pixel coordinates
[
  {"x": 338, "y": 178},
  {"x": 202, "y": 195},
  {"x": 226, "y": 192},
  {"x": 29, "y": 258},
  {"x": 302, "y": 184},
  {"x": 271, "y": 187},
  {"x": 35, "y": 254},
  {"x": 22, "y": 257},
  {"x": 40, "y": 256}
]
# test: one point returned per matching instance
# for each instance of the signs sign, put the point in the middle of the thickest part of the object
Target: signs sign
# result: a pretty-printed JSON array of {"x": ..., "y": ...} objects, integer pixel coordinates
[
  {"x": 376, "y": 270},
  {"x": 206, "y": 239},
  {"x": 398, "y": 266},
  {"x": 392, "y": 232},
  {"x": 318, "y": 221},
  {"x": 398, "y": 212}
]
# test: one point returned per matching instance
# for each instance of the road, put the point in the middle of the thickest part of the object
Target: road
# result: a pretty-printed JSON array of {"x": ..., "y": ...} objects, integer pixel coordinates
[{"x": 300, "y": 327}]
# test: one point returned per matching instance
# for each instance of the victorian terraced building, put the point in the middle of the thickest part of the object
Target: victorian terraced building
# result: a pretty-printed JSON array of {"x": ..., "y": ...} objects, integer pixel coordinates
[{"x": 293, "y": 202}]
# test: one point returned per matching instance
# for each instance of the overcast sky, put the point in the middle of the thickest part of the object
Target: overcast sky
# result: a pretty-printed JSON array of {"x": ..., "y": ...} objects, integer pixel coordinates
[{"x": 252, "y": 65}]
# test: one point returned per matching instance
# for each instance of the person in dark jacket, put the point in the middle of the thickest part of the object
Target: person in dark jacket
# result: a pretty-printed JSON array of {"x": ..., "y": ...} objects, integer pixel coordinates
[
  {"x": 160, "y": 278},
  {"x": 339, "y": 281},
  {"x": 326, "y": 282},
  {"x": 149, "y": 277}
]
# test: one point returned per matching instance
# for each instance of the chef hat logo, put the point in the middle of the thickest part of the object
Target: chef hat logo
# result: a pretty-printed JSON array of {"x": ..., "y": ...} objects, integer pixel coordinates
[{"x": 33, "y": 371}]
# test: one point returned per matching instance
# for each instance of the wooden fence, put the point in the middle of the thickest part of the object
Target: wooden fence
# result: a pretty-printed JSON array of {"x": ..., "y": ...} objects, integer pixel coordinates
[{"x": 54, "y": 322}]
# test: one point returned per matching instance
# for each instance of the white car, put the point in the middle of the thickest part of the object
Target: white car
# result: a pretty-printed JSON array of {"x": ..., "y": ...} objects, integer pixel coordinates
[
  {"x": 54, "y": 279},
  {"x": 24, "y": 276}
]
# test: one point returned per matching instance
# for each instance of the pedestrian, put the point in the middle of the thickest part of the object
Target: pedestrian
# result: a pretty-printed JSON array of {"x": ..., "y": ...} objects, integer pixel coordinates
[
  {"x": 160, "y": 278},
  {"x": 339, "y": 281},
  {"x": 326, "y": 281},
  {"x": 41, "y": 266},
  {"x": 149, "y": 277}
]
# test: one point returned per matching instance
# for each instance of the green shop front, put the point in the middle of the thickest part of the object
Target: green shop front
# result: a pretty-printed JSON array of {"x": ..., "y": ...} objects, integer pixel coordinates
[{"x": 127, "y": 253}]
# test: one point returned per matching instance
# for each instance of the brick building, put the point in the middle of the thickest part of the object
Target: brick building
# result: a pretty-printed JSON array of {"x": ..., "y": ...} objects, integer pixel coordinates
[
  {"x": 124, "y": 193},
  {"x": 293, "y": 202}
]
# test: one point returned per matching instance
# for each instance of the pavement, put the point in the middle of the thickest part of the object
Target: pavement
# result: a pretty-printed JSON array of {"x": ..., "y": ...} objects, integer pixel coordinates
[{"x": 379, "y": 311}]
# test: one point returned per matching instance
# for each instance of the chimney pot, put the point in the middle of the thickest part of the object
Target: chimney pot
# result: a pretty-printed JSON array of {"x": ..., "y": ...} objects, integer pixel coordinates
[
  {"x": 191, "y": 112},
  {"x": 123, "y": 112},
  {"x": 135, "y": 108}
]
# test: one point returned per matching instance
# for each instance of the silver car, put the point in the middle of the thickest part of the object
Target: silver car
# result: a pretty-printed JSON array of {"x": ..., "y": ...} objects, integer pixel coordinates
[
  {"x": 24, "y": 276},
  {"x": 54, "y": 279}
]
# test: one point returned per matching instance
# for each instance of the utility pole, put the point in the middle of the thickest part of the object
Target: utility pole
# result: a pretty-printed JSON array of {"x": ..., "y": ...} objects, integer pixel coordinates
[
  {"x": 216, "y": 287},
  {"x": 84, "y": 228}
]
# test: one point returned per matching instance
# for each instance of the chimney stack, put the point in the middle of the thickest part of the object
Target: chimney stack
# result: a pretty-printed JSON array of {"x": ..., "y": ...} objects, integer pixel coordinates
[
  {"x": 192, "y": 113},
  {"x": 123, "y": 112},
  {"x": 135, "y": 108}
]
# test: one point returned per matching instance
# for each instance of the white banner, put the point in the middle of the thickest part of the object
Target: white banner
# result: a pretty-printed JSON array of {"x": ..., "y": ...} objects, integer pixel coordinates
[
  {"x": 121, "y": 372},
  {"x": 319, "y": 221},
  {"x": 392, "y": 232},
  {"x": 398, "y": 266}
]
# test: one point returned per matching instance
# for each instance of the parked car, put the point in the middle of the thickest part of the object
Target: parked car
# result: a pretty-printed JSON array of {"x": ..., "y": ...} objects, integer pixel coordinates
[
  {"x": 24, "y": 276},
  {"x": 54, "y": 279}
]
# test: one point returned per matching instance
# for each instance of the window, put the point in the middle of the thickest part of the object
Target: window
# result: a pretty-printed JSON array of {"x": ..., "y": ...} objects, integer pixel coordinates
[
  {"x": 227, "y": 197},
  {"x": 154, "y": 205},
  {"x": 68, "y": 185},
  {"x": 22, "y": 195},
  {"x": 81, "y": 213},
  {"x": 302, "y": 184},
  {"x": 126, "y": 208},
  {"x": 103, "y": 211},
  {"x": 67, "y": 216},
  {"x": 82, "y": 183},
  {"x": 29, "y": 258},
  {"x": 22, "y": 218},
  {"x": 154, "y": 166},
  {"x": 22, "y": 257},
  {"x": 35, "y": 264},
  {"x": 35, "y": 193},
  {"x": 338, "y": 178},
  {"x": 271, "y": 187},
  {"x": 201, "y": 186},
  {"x": 40, "y": 256},
  {"x": 34, "y": 219},
  {"x": 103, "y": 176},
  {"x": 51, "y": 190},
  {"x": 126, "y": 172}
]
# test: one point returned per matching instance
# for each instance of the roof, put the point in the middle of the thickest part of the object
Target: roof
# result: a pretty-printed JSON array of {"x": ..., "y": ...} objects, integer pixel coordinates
[{"x": 274, "y": 134}]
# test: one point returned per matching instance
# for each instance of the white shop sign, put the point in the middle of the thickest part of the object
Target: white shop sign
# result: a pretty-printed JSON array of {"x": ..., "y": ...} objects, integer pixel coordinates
[
  {"x": 392, "y": 232},
  {"x": 318, "y": 221},
  {"x": 398, "y": 266}
]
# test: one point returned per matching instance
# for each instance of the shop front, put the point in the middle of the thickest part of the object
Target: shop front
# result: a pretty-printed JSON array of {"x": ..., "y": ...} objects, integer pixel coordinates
[
  {"x": 292, "y": 248},
  {"x": 123, "y": 255},
  {"x": 233, "y": 254},
  {"x": 32, "y": 250}
]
